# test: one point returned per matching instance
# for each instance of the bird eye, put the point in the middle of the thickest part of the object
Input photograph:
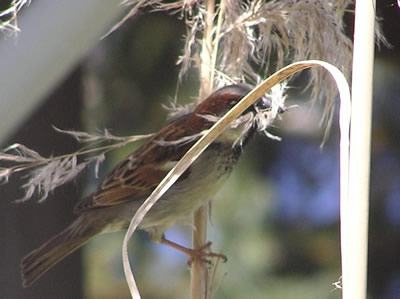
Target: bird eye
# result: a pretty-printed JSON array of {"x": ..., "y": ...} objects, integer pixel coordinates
[{"x": 264, "y": 103}]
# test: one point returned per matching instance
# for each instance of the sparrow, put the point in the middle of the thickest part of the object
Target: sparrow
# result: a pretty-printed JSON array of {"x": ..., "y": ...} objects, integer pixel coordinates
[{"x": 126, "y": 187}]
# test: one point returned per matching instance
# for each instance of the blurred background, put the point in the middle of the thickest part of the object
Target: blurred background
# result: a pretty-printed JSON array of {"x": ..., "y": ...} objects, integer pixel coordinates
[{"x": 277, "y": 217}]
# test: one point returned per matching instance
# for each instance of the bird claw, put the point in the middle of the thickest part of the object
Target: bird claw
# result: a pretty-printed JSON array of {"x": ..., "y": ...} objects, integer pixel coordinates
[{"x": 202, "y": 254}]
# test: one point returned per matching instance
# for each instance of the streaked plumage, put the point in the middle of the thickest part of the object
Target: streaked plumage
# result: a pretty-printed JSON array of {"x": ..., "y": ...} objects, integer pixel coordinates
[{"x": 121, "y": 192}]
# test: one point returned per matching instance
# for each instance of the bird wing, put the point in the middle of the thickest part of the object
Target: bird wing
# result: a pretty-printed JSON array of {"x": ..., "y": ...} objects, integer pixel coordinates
[{"x": 139, "y": 174}]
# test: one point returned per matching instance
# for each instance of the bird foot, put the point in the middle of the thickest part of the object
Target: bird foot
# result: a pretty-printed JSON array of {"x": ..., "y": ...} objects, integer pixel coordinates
[{"x": 201, "y": 253}]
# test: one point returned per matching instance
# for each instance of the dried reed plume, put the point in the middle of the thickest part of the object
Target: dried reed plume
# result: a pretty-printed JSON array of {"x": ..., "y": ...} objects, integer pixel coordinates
[
  {"x": 46, "y": 174},
  {"x": 256, "y": 38}
]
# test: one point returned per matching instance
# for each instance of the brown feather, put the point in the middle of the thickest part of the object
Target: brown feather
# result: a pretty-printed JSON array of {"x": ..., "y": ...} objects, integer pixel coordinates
[
  {"x": 121, "y": 193},
  {"x": 40, "y": 260},
  {"x": 129, "y": 180}
]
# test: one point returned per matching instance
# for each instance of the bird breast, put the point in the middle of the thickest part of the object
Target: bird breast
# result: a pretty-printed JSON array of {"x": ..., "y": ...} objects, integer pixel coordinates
[{"x": 194, "y": 188}]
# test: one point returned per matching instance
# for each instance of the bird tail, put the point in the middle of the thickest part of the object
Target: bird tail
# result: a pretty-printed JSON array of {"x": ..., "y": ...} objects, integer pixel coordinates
[{"x": 40, "y": 260}]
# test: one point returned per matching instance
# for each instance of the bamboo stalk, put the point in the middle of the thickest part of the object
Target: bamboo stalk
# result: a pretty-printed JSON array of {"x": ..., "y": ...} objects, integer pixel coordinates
[
  {"x": 199, "y": 273},
  {"x": 355, "y": 231}
]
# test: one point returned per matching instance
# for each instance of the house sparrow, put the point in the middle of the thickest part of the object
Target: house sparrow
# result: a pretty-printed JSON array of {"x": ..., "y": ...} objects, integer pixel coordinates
[{"x": 127, "y": 186}]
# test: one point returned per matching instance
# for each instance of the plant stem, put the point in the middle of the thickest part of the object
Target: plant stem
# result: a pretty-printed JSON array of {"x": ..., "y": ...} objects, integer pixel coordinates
[
  {"x": 206, "y": 67},
  {"x": 355, "y": 231},
  {"x": 199, "y": 273}
]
